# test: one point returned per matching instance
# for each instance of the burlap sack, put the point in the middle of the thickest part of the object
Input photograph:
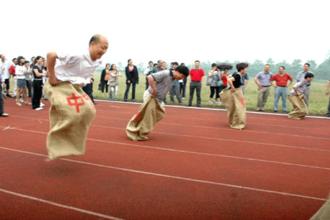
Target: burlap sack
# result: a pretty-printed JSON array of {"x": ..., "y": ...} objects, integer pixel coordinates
[
  {"x": 236, "y": 110},
  {"x": 142, "y": 123},
  {"x": 70, "y": 116},
  {"x": 323, "y": 213},
  {"x": 300, "y": 109}
]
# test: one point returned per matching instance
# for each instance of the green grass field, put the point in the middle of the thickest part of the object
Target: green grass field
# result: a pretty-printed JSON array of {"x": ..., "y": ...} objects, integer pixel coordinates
[{"x": 318, "y": 99}]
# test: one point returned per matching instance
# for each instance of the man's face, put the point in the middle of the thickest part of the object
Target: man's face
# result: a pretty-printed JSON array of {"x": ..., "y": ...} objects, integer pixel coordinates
[
  {"x": 309, "y": 79},
  {"x": 244, "y": 71},
  {"x": 162, "y": 65},
  {"x": 306, "y": 68},
  {"x": 281, "y": 70},
  {"x": 267, "y": 68},
  {"x": 177, "y": 75},
  {"x": 98, "y": 49},
  {"x": 197, "y": 65},
  {"x": 151, "y": 64}
]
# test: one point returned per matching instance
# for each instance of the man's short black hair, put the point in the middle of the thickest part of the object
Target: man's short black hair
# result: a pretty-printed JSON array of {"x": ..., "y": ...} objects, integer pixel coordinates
[
  {"x": 309, "y": 75},
  {"x": 197, "y": 61},
  {"x": 213, "y": 65},
  {"x": 183, "y": 70},
  {"x": 283, "y": 67},
  {"x": 241, "y": 66},
  {"x": 95, "y": 39},
  {"x": 224, "y": 66},
  {"x": 175, "y": 63},
  {"x": 307, "y": 64}
]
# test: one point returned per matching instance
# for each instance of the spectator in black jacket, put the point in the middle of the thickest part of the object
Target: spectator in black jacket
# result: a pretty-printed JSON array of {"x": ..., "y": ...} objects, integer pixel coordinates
[
  {"x": 132, "y": 78},
  {"x": 103, "y": 82}
]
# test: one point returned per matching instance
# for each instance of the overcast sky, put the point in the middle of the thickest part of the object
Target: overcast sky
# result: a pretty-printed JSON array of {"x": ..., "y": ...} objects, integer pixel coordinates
[{"x": 173, "y": 30}]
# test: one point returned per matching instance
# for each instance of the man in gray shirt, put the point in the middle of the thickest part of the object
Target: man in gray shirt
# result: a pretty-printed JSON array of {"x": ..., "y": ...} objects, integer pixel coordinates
[
  {"x": 300, "y": 77},
  {"x": 263, "y": 82},
  {"x": 160, "y": 83}
]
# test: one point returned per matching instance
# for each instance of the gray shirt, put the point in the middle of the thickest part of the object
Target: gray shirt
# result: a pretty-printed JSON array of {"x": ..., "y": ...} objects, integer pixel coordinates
[
  {"x": 264, "y": 78},
  {"x": 301, "y": 77},
  {"x": 300, "y": 87},
  {"x": 164, "y": 81}
]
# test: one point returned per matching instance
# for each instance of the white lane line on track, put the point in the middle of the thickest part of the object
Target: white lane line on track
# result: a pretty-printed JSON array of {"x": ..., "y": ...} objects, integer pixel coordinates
[
  {"x": 48, "y": 202},
  {"x": 186, "y": 179}
]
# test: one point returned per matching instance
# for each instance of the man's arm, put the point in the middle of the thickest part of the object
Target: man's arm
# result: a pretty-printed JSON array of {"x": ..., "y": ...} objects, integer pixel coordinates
[
  {"x": 256, "y": 80},
  {"x": 153, "y": 84},
  {"x": 51, "y": 61}
]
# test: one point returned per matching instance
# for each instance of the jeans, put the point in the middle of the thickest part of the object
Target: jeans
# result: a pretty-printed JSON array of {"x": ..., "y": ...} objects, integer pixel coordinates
[
  {"x": 194, "y": 85},
  {"x": 175, "y": 91},
  {"x": 283, "y": 93},
  {"x": 262, "y": 97}
]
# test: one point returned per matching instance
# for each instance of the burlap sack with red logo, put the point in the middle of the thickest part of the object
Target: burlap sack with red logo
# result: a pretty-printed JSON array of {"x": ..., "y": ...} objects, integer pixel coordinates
[
  {"x": 142, "y": 123},
  {"x": 70, "y": 116}
]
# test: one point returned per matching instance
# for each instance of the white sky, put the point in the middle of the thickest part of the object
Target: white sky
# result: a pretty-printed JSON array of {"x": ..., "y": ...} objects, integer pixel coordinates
[{"x": 181, "y": 31}]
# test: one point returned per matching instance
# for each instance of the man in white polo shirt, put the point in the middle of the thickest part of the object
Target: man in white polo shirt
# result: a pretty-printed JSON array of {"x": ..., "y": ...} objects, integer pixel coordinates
[{"x": 71, "y": 111}]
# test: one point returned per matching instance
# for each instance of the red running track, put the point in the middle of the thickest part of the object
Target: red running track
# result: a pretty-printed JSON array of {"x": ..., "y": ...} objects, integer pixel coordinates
[{"x": 194, "y": 167}]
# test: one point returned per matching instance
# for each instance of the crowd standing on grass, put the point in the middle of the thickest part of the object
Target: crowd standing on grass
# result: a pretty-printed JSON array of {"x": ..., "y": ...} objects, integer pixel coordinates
[{"x": 28, "y": 77}]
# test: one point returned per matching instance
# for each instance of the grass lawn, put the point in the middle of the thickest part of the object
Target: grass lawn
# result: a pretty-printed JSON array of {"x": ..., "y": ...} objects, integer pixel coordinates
[{"x": 318, "y": 100}]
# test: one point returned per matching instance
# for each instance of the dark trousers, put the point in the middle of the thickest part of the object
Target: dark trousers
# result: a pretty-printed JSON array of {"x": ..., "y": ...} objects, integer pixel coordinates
[
  {"x": 104, "y": 86},
  {"x": 88, "y": 89},
  {"x": 29, "y": 87},
  {"x": 1, "y": 100},
  {"x": 214, "y": 90},
  {"x": 194, "y": 85},
  {"x": 7, "y": 83},
  {"x": 183, "y": 88},
  {"x": 328, "y": 114},
  {"x": 37, "y": 93},
  {"x": 128, "y": 86}
]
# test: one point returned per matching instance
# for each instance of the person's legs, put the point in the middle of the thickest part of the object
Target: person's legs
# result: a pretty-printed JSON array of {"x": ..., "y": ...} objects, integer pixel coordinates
[
  {"x": 328, "y": 114},
  {"x": 284, "y": 96},
  {"x": 198, "y": 91},
  {"x": 172, "y": 92},
  {"x": 191, "y": 93},
  {"x": 265, "y": 97},
  {"x": 111, "y": 88},
  {"x": 217, "y": 93},
  {"x": 128, "y": 85},
  {"x": 102, "y": 86},
  {"x": 184, "y": 87},
  {"x": 277, "y": 96},
  {"x": 177, "y": 92},
  {"x": 260, "y": 99},
  {"x": 306, "y": 96},
  {"x": 212, "y": 91},
  {"x": 1, "y": 100},
  {"x": 7, "y": 83},
  {"x": 133, "y": 91}
]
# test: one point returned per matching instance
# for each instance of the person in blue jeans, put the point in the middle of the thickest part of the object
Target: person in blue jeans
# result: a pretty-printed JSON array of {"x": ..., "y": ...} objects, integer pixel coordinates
[{"x": 282, "y": 80}]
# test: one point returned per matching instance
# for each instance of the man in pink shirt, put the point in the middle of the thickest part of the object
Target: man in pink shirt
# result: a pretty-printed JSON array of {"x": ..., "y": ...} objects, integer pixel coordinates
[{"x": 196, "y": 76}]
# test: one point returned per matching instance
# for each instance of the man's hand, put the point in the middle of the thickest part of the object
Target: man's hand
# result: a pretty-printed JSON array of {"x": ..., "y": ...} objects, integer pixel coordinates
[{"x": 53, "y": 81}]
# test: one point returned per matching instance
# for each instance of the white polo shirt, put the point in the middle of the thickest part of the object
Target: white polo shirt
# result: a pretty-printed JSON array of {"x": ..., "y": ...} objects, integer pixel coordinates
[{"x": 76, "y": 69}]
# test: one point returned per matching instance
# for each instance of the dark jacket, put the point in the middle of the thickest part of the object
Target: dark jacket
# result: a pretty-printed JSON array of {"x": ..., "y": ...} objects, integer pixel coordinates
[{"x": 132, "y": 76}]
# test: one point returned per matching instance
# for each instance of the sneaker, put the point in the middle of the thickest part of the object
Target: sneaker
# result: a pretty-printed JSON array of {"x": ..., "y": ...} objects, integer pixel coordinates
[
  {"x": 4, "y": 115},
  {"x": 42, "y": 104},
  {"x": 18, "y": 103},
  {"x": 38, "y": 109}
]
